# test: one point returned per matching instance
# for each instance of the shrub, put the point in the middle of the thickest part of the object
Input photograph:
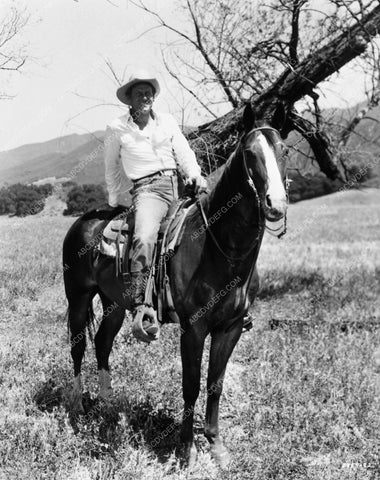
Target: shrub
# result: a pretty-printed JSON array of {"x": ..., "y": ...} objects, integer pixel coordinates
[
  {"x": 359, "y": 174},
  {"x": 23, "y": 200},
  {"x": 82, "y": 198},
  {"x": 311, "y": 186},
  {"x": 63, "y": 189},
  {"x": 45, "y": 190},
  {"x": 69, "y": 184}
]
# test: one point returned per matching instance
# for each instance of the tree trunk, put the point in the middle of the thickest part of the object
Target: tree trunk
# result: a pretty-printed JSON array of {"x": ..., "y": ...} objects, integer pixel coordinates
[{"x": 215, "y": 140}]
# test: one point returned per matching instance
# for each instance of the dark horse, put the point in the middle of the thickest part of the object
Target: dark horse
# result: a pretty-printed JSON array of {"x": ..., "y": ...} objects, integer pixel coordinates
[{"x": 210, "y": 275}]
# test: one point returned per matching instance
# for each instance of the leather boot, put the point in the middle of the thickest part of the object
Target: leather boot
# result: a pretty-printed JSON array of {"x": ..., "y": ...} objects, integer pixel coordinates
[{"x": 144, "y": 317}]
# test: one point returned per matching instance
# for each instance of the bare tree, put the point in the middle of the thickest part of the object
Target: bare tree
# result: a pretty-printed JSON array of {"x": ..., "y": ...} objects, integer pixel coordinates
[
  {"x": 215, "y": 56},
  {"x": 277, "y": 52},
  {"x": 13, "y": 54},
  {"x": 241, "y": 48}
]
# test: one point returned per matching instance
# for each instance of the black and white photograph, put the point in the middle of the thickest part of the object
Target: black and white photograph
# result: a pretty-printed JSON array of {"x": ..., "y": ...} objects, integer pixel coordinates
[{"x": 190, "y": 240}]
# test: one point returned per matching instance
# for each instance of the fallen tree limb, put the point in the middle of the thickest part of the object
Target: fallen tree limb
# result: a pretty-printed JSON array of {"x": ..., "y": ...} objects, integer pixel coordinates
[{"x": 215, "y": 140}]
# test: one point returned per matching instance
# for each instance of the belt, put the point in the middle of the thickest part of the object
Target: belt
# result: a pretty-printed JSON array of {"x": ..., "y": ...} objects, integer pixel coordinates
[{"x": 167, "y": 172}]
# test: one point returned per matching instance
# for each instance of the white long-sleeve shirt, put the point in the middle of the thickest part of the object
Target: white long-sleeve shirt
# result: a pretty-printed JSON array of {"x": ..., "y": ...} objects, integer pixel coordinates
[{"x": 135, "y": 153}]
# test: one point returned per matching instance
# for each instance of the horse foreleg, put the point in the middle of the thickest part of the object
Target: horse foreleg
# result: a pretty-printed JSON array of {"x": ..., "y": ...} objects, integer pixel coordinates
[
  {"x": 192, "y": 343},
  {"x": 222, "y": 345},
  {"x": 78, "y": 313},
  {"x": 113, "y": 316}
]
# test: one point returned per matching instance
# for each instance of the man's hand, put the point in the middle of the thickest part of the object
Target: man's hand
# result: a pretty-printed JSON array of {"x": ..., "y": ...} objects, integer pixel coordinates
[
  {"x": 110, "y": 207},
  {"x": 199, "y": 183}
]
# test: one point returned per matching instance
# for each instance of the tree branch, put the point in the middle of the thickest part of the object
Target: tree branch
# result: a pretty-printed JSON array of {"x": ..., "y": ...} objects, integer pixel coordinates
[
  {"x": 319, "y": 142},
  {"x": 198, "y": 44},
  {"x": 118, "y": 80},
  {"x": 293, "y": 43},
  {"x": 14, "y": 56},
  {"x": 292, "y": 85},
  {"x": 186, "y": 88},
  {"x": 218, "y": 74}
]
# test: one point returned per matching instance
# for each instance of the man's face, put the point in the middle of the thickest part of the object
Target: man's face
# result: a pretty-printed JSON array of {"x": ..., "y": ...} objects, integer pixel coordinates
[{"x": 141, "y": 97}]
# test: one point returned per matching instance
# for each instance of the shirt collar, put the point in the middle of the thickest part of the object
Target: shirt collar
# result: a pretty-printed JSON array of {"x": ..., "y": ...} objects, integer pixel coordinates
[
  {"x": 128, "y": 120},
  {"x": 128, "y": 117}
]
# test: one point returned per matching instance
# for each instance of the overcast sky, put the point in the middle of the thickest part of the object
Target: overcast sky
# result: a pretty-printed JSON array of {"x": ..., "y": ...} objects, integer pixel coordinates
[{"x": 68, "y": 41}]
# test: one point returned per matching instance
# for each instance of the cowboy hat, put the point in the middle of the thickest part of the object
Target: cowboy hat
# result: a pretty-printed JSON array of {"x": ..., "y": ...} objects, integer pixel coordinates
[{"x": 140, "y": 76}]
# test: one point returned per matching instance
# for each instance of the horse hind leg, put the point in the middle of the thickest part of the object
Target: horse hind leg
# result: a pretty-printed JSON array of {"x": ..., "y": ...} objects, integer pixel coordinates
[
  {"x": 79, "y": 316},
  {"x": 222, "y": 345},
  {"x": 113, "y": 316}
]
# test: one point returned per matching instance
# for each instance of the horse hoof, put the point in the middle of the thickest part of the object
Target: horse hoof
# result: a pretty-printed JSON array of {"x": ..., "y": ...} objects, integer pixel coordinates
[
  {"x": 192, "y": 457},
  {"x": 76, "y": 404},
  {"x": 187, "y": 455},
  {"x": 220, "y": 455},
  {"x": 105, "y": 397}
]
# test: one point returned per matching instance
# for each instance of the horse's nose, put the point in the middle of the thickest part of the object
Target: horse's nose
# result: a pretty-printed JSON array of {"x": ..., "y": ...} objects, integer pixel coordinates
[{"x": 275, "y": 209}]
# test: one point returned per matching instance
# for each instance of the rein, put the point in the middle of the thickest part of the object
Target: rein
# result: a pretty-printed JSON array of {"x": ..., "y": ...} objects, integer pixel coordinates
[
  {"x": 257, "y": 197},
  {"x": 228, "y": 257}
]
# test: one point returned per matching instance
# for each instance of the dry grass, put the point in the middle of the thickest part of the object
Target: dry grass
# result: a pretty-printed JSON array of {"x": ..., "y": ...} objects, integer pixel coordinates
[{"x": 302, "y": 391}]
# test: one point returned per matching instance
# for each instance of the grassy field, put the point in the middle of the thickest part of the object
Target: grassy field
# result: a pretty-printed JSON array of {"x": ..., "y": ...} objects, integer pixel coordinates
[{"x": 302, "y": 391}]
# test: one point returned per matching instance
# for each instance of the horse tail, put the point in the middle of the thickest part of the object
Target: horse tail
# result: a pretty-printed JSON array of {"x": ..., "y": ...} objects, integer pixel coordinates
[
  {"x": 83, "y": 319},
  {"x": 91, "y": 322}
]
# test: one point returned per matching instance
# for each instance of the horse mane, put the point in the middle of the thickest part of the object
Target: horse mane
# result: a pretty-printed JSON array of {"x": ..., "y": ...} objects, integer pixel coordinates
[{"x": 219, "y": 192}]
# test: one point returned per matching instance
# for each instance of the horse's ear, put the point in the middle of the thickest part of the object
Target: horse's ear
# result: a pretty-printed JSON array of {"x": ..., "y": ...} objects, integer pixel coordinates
[
  {"x": 249, "y": 117},
  {"x": 279, "y": 116}
]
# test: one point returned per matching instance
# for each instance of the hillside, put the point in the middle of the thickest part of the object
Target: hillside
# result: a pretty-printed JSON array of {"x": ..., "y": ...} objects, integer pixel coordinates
[{"x": 54, "y": 158}]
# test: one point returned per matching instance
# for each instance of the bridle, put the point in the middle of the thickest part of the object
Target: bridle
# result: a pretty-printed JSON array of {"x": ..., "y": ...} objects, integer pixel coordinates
[
  {"x": 259, "y": 207},
  {"x": 280, "y": 231}
]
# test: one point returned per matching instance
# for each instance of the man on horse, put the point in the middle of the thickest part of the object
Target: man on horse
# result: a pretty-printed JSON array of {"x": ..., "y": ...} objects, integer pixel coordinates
[{"x": 146, "y": 146}]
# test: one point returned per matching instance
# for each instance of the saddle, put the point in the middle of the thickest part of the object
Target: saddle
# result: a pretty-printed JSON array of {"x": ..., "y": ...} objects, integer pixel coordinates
[{"x": 116, "y": 242}]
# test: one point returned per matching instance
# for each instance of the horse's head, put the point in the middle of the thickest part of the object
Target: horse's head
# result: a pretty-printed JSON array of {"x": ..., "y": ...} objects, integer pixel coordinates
[{"x": 264, "y": 155}]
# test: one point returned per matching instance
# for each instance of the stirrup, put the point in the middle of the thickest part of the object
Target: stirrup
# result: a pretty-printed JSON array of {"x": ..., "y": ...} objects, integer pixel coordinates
[{"x": 145, "y": 325}]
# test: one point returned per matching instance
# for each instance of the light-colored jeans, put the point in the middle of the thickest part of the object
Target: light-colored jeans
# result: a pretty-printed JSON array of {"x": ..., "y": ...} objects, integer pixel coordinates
[{"x": 151, "y": 199}]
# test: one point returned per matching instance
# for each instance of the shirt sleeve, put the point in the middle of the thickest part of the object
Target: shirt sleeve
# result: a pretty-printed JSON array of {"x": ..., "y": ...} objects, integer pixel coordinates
[
  {"x": 185, "y": 156},
  {"x": 112, "y": 165}
]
